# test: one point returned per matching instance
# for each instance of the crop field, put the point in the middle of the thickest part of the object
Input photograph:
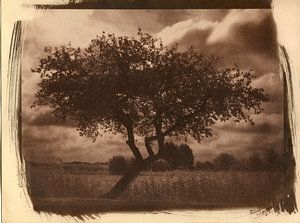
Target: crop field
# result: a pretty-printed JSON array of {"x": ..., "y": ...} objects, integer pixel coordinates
[{"x": 178, "y": 188}]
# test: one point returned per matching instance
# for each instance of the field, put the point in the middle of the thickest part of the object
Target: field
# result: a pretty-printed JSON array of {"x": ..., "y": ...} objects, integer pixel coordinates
[{"x": 78, "y": 187}]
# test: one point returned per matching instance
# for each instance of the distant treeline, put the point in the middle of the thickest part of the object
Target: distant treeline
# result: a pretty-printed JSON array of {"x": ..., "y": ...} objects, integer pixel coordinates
[
  {"x": 68, "y": 167},
  {"x": 271, "y": 160},
  {"x": 181, "y": 157}
]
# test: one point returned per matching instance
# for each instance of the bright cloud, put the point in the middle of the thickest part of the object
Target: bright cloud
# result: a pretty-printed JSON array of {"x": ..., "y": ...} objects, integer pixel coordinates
[{"x": 175, "y": 32}]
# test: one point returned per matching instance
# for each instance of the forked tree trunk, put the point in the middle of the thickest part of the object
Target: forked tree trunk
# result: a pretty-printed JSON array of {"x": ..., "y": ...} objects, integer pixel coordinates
[{"x": 129, "y": 176}]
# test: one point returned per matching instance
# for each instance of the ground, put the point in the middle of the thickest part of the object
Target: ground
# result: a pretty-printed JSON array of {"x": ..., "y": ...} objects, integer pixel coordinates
[{"x": 77, "y": 188}]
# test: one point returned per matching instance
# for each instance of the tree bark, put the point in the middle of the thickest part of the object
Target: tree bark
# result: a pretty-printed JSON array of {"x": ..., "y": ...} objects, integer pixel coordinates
[
  {"x": 148, "y": 147},
  {"x": 159, "y": 133},
  {"x": 129, "y": 176},
  {"x": 131, "y": 143}
]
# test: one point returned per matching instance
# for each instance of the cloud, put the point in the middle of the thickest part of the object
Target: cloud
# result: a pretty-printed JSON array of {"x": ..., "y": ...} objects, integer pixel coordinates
[
  {"x": 264, "y": 124},
  {"x": 273, "y": 87},
  {"x": 64, "y": 143},
  {"x": 242, "y": 139},
  {"x": 235, "y": 20},
  {"x": 254, "y": 30},
  {"x": 55, "y": 28},
  {"x": 247, "y": 37},
  {"x": 43, "y": 116},
  {"x": 236, "y": 143},
  {"x": 128, "y": 21},
  {"x": 152, "y": 21},
  {"x": 177, "y": 31}
]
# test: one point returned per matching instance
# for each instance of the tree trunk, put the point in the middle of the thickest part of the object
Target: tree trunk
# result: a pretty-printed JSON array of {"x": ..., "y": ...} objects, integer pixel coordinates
[
  {"x": 148, "y": 147},
  {"x": 131, "y": 143},
  {"x": 129, "y": 176}
]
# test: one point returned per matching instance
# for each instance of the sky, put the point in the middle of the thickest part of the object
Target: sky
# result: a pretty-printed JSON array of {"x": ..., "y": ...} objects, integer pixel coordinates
[{"x": 245, "y": 37}]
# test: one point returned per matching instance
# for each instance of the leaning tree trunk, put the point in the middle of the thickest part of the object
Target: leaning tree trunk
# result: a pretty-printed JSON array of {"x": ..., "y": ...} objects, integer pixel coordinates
[{"x": 129, "y": 176}]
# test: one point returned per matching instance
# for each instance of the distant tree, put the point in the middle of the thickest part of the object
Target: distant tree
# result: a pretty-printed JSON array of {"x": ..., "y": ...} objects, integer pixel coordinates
[
  {"x": 288, "y": 161},
  {"x": 254, "y": 162},
  {"x": 272, "y": 160},
  {"x": 117, "y": 165},
  {"x": 239, "y": 165},
  {"x": 139, "y": 87},
  {"x": 207, "y": 165},
  {"x": 224, "y": 161},
  {"x": 171, "y": 155},
  {"x": 186, "y": 157},
  {"x": 179, "y": 156},
  {"x": 198, "y": 166}
]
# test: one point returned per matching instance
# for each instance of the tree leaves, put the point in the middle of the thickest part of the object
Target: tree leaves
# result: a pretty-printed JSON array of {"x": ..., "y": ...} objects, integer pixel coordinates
[{"x": 121, "y": 81}]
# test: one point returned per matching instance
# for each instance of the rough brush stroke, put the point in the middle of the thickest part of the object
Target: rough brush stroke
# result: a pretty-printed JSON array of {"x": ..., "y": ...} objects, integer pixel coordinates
[
  {"x": 156, "y": 4},
  {"x": 288, "y": 202},
  {"x": 14, "y": 106},
  {"x": 14, "y": 77}
]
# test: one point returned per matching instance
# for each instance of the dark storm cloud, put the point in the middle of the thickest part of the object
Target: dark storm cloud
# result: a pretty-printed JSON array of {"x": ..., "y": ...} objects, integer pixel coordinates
[
  {"x": 262, "y": 128},
  {"x": 58, "y": 141},
  {"x": 260, "y": 38},
  {"x": 45, "y": 118},
  {"x": 261, "y": 143},
  {"x": 30, "y": 139},
  {"x": 39, "y": 147},
  {"x": 266, "y": 126}
]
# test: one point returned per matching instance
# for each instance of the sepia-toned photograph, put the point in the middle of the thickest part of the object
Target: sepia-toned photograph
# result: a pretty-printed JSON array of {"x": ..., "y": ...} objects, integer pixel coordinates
[{"x": 151, "y": 110}]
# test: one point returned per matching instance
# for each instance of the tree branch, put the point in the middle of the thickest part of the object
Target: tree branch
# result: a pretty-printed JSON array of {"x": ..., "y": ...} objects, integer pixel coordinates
[
  {"x": 131, "y": 143},
  {"x": 159, "y": 133},
  {"x": 184, "y": 118},
  {"x": 148, "y": 146},
  {"x": 173, "y": 128}
]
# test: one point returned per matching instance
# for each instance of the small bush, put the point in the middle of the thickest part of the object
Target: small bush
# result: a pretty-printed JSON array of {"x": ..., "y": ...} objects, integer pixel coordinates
[
  {"x": 118, "y": 165},
  {"x": 225, "y": 161},
  {"x": 160, "y": 165},
  {"x": 255, "y": 163},
  {"x": 179, "y": 157},
  {"x": 272, "y": 160},
  {"x": 207, "y": 165}
]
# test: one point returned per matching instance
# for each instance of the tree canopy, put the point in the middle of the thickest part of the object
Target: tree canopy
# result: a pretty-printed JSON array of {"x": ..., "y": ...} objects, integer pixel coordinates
[{"x": 138, "y": 86}]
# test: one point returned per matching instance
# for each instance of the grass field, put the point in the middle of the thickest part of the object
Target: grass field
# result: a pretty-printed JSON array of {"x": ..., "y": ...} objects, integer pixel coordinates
[{"x": 171, "y": 189}]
